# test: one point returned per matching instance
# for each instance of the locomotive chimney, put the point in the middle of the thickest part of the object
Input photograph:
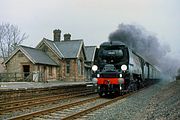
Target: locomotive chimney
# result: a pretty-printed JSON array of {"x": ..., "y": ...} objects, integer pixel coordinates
[
  {"x": 57, "y": 35},
  {"x": 67, "y": 37}
]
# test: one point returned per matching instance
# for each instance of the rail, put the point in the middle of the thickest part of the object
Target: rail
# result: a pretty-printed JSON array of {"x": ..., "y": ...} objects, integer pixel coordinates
[
  {"x": 47, "y": 111},
  {"x": 80, "y": 105},
  {"x": 12, "y": 106}
]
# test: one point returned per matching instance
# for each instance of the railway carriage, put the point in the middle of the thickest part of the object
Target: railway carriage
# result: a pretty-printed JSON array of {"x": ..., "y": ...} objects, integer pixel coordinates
[{"x": 118, "y": 69}]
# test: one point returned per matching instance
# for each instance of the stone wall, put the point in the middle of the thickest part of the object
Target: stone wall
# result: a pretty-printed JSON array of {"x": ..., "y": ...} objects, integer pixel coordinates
[
  {"x": 15, "y": 64},
  {"x": 76, "y": 72},
  {"x": 61, "y": 73},
  {"x": 56, "y": 73}
]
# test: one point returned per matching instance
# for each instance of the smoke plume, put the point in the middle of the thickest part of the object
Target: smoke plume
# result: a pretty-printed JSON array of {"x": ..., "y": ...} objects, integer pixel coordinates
[{"x": 147, "y": 45}]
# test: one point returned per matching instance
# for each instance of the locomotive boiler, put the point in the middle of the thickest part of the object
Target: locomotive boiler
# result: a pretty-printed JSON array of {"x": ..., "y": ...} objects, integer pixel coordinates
[{"x": 118, "y": 69}]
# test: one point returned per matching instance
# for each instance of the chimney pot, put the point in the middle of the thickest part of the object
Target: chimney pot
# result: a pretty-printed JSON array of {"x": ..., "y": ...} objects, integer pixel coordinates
[
  {"x": 57, "y": 35},
  {"x": 67, "y": 37}
]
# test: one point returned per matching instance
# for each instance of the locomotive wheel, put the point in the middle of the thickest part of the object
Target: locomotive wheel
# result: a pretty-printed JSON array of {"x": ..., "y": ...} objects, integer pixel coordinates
[
  {"x": 135, "y": 87},
  {"x": 121, "y": 93},
  {"x": 100, "y": 94},
  {"x": 132, "y": 87},
  {"x": 122, "y": 90}
]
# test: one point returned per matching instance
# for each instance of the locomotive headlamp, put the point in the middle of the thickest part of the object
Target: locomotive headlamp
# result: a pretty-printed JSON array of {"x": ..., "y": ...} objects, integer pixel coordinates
[
  {"x": 94, "y": 68},
  {"x": 124, "y": 67},
  {"x": 120, "y": 88},
  {"x": 120, "y": 75},
  {"x": 98, "y": 75}
]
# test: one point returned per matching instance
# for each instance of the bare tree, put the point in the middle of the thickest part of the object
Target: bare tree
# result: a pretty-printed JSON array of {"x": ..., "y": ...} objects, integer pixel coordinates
[
  {"x": 10, "y": 38},
  {"x": 2, "y": 35}
]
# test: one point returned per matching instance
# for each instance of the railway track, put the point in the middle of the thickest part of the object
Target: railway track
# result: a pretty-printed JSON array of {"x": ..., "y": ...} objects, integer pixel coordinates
[
  {"x": 66, "y": 110},
  {"x": 93, "y": 108},
  {"x": 13, "y": 95},
  {"x": 71, "y": 110},
  {"x": 16, "y": 95},
  {"x": 28, "y": 103}
]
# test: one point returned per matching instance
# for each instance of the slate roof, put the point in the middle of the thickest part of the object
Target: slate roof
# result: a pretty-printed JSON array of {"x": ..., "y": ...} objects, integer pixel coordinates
[
  {"x": 70, "y": 49},
  {"x": 53, "y": 46},
  {"x": 65, "y": 49},
  {"x": 90, "y": 53},
  {"x": 34, "y": 55}
]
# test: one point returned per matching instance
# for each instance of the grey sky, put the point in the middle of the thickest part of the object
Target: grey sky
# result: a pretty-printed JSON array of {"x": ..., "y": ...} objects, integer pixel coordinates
[{"x": 93, "y": 20}]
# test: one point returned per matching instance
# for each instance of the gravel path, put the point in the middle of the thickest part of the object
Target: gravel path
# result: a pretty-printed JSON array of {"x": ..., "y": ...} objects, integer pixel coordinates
[{"x": 158, "y": 102}]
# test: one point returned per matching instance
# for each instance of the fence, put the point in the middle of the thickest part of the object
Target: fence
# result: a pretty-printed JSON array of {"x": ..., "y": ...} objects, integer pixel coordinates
[
  {"x": 22, "y": 77},
  {"x": 178, "y": 77}
]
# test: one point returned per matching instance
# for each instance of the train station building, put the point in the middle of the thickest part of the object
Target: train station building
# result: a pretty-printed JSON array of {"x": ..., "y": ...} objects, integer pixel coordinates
[{"x": 64, "y": 60}]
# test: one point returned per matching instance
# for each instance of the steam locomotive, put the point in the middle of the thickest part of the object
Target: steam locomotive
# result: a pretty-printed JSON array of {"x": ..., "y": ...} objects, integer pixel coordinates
[{"x": 118, "y": 69}]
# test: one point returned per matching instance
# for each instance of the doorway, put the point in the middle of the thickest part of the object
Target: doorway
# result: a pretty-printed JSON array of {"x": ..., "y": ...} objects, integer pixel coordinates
[{"x": 26, "y": 70}]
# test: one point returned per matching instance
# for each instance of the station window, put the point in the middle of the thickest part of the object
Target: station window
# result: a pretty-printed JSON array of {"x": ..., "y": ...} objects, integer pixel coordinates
[
  {"x": 67, "y": 66},
  {"x": 80, "y": 67},
  {"x": 50, "y": 71}
]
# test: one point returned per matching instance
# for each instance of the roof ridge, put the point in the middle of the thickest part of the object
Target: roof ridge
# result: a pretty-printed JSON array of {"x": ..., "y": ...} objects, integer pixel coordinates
[
  {"x": 47, "y": 39},
  {"x": 91, "y": 46},
  {"x": 63, "y": 40},
  {"x": 71, "y": 40},
  {"x": 22, "y": 46},
  {"x": 25, "y": 46}
]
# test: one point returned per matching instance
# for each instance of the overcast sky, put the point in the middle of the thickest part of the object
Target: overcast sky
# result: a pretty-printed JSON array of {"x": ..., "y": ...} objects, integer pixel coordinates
[{"x": 93, "y": 20}]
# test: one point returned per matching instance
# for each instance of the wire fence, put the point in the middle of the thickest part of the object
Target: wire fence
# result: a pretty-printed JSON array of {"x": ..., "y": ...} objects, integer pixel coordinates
[{"x": 22, "y": 77}]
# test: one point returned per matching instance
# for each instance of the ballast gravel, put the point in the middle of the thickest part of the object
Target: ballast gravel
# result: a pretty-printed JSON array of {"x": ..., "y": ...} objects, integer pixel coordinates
[{"x": 160, "y": 101}]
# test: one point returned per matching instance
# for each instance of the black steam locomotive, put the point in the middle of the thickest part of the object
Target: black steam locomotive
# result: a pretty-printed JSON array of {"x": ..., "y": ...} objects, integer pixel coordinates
[{"x": 119, "y": 69}]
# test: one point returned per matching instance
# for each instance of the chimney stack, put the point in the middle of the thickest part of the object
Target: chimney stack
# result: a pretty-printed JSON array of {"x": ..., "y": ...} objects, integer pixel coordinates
[
  {"x": 67, "y": 37},
  {"x": 57, "y": 35}
]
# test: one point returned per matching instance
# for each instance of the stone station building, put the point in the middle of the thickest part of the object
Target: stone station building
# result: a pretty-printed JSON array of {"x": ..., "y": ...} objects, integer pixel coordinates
[{"x": 66, "y": 60}]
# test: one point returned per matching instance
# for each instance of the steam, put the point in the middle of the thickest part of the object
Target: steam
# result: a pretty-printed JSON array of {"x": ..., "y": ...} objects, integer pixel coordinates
[{"x": 147, "y": 45}]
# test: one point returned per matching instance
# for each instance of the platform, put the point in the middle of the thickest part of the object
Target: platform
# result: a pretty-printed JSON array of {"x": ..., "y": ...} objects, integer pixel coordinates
[{"x": 32, "y": 85}]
